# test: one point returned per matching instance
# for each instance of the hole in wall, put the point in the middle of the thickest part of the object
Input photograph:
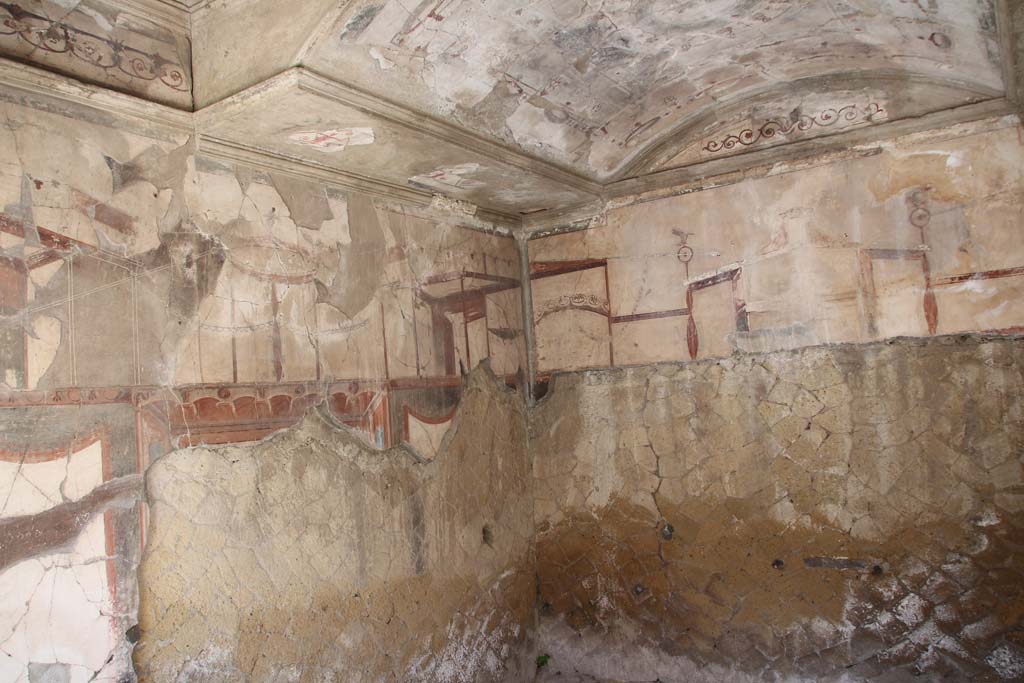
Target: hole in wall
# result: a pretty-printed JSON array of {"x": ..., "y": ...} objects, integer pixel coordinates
[
  {"x": 487, "y": 535},
  {"x": 540, "y": 389}
]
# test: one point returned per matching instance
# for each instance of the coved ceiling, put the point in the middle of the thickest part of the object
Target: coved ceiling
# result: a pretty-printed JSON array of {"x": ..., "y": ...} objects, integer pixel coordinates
[{"x": 522, "y": 106}]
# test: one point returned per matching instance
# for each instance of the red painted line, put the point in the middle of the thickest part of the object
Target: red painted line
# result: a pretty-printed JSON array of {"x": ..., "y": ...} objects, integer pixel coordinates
[
  {"x": 542, "y": 269},
  {"x": 656, "y": 315},
  {"x": 980, "y": 275}
]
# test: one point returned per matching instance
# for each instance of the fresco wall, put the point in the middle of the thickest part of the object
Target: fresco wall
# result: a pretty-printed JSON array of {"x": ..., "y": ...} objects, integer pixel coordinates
[
  {"x": 716, "y": 499},
  {"x": 836, "y": 514},
  {"x": 152, "y": 299},
  {"x": 921, "y": 237},
  {"x": 310, "y": 557}
]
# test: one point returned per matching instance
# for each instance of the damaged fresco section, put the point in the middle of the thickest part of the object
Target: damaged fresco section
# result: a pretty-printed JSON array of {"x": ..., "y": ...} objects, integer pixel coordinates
[
  {"x": 846, "y": 513},
  {"x": 310, "y": 557},
  {"x": 152, "y": 299},
  {"x": 918, "y": 237},
  {"x": 69, "y": 543}
]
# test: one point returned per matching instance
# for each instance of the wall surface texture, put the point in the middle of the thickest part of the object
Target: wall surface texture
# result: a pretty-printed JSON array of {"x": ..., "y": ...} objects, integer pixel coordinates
[
  {"x": 843, "y": 513},
  {"x": 918, "y": 236},
  {"x": 153, "y": 299},
  {"x": 310, "y": 557},
  {"x": 264, "y": 390}
]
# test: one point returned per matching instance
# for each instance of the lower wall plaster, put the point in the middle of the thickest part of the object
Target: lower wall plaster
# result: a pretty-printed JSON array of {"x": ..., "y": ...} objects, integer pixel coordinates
[
  {"x": 844, "y": 513},
  {"x": 311, "y": 557}
]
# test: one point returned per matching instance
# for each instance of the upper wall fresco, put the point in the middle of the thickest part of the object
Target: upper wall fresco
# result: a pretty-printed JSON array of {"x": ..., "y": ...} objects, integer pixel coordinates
[
  {"x": 108, "y": 43},
  {"x": 130, "y": 261},
  {"x": 920, "y": 239},
  {"x": 152, "y": 299},
  {"x": 594, "y": 85}
]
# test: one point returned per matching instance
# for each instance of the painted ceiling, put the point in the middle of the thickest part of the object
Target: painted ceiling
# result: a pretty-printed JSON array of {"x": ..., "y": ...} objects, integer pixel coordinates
[
  {"x": 521, "y": 105},
  {"x": 593, "y": 84}
]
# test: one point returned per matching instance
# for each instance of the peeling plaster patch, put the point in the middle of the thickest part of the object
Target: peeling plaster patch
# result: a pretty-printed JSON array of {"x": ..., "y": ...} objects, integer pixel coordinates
[
  {"x": 43, "y": 344},
  {"x": 382, "y": 61},
  {"x": 450, "y": 178},
  {"x": 334, "y": 140},
  {"x": 365, "y": 586},
  {"x": 453, "y": 206}
]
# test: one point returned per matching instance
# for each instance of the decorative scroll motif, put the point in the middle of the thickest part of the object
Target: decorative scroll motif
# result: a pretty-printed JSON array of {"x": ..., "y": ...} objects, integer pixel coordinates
[
  {"x": 579, "y": 302},
  {"x": 829, "y": 117},
  {"x": 110, "y": 55}
]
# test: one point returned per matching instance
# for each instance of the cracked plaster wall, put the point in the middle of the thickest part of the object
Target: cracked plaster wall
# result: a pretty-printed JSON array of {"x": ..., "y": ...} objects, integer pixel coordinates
[
  {"x": 845, "y": 513},
  {"x": 153, "y": 299},
  {"x": 309, "y": 557}
]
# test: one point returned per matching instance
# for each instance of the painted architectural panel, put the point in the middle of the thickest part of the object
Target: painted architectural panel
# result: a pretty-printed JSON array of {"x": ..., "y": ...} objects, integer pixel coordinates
[
  {"x": 168, "y": 301},
  {"x": 920, "y": 239}
]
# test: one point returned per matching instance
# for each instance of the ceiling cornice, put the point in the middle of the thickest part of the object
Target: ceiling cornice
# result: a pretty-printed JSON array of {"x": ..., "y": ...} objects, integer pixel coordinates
[
  {"x": 37, "y": 86},
  {"x": 272, "y": 162},
  {"x": 41, "y": 89},
  {"x": 802, "y": 149},
  {"x": 186, "y": 5},
  {"x": 160, "y": 11},
  {"x": 325, "y": 87},
  {"x": 786, "y": 158}
]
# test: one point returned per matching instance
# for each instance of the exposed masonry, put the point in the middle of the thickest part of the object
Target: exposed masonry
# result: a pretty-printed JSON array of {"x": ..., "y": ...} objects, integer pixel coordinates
[
  {"x": 310, "y": 556},
  {"x": 844, "y": 513}
]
